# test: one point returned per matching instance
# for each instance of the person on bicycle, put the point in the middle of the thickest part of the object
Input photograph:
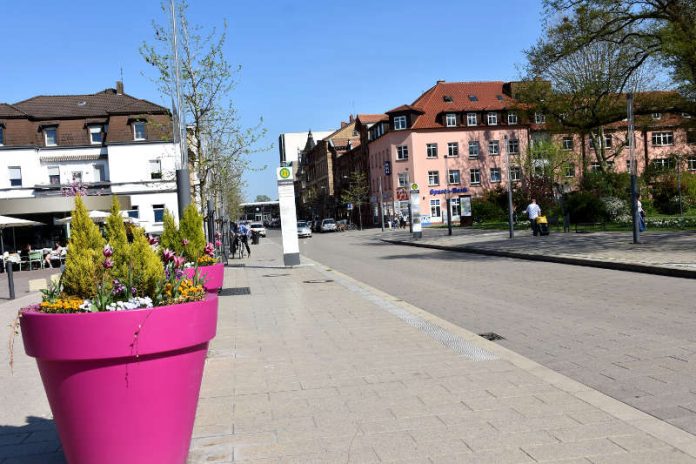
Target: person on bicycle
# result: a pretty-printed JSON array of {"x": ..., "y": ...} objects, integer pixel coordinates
[{"x": 244, "y": 234}]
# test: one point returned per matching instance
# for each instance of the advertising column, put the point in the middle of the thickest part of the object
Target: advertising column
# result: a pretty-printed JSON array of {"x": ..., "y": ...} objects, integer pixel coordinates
[
  {"x": 288, "y": 216},
  {"x": 415, "y": 211}
]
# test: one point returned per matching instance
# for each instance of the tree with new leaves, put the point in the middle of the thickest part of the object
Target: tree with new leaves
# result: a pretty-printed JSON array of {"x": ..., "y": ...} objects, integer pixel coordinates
[
  {"x": 357, "y": 191},
  {"x": 191, "y": 233},
  {"x": 145, "y": 270},
  {"x": 260, "y": 198},
  {"x": 170, "y": 238},
  {"x": 217, "y": 141},
  {"x": 661, "y": 30},
  {"x": 117, "y": 238},
  {"x": 83, "y": 262}
]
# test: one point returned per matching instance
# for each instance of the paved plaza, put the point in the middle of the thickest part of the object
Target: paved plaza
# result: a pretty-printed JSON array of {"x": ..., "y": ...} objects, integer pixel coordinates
[{"x": 311, "y": 366}]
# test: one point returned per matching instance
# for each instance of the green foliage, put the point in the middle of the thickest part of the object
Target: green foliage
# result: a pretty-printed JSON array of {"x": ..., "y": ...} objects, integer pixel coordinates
[
  {"x": 83, "y": 263},
  {"x": 118, "y": 240},
  {"x": 145, "y": 267},
  {"x": 262, "y": 198},
  {"x": 585, "y": 207},
  {"x": 191, "y": 229},
  {"x": 171, "y": 238},
  {"x": 607, "y": 184},
  {"x": 492, "y": 206},
  {"x": 665, "y": 193}
]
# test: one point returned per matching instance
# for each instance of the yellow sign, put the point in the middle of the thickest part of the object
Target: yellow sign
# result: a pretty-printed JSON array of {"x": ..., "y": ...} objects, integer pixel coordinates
[
  {"x": 284, "y": 173},
  {"x": 414, "y": 186}
]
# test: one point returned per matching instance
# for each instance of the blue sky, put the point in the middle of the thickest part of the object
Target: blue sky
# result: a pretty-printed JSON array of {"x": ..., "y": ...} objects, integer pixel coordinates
[{"x": 305, "y": 64}]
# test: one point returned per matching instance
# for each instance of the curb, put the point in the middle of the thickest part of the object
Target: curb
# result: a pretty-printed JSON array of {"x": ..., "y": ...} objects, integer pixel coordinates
[{"x": 616, "y": 266}]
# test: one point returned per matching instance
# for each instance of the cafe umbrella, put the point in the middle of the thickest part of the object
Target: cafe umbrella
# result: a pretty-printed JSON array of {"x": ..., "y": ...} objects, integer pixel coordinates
[{"x": 7, "y": 221}]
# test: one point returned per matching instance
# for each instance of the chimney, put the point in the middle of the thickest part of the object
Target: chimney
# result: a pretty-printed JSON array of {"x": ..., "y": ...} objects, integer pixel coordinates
[
  {"x": 343, "y": 124},
  {"x": 351, "y": 118},
  {"x": 119, "y": 87}
]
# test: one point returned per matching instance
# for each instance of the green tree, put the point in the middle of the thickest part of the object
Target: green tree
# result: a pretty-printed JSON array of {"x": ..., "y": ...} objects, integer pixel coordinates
[
  {"x": 217, "y": 141},
  {"x": 83, "y": 263},
  {"x": 191, "y": 229},
  {"x": 260, "y": 198},
  {"x": 145, "y": 267},
  {"x": 171, "y": 237},
  {"x": 357, "y": 192},
  {"x": 117, "y": 238}
]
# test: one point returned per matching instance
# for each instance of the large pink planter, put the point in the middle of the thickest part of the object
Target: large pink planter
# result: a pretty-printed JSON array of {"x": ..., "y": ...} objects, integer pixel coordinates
[
  {"x": 123, "y": 386},
  {"x": 212, "y": 275}
]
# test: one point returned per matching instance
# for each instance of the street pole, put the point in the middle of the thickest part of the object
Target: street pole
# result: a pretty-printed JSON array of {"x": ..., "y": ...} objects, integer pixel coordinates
[
  {"x": 681, "y": 208},
  {"x": 183, "y": 180},
  {"x": 448, "y": 199},
  {"x": 634, "y": 170},
  {"x": 381, "y": 203},
  {"x": 211, "y": 222},
  {"x": 509, "y": 176}
]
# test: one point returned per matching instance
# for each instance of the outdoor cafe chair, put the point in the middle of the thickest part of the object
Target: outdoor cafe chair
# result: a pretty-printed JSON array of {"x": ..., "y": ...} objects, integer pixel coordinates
[{"x": 34, "y": 257}]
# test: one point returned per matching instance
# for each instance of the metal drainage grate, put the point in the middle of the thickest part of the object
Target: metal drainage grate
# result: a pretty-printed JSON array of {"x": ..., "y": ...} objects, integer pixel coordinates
[
  {"x": 232, "y": 291},
  {"x": 276, "y": 275},
  {"x": 492, "y": 336},
  {"x": 236, "y": 265},
  {"x": 317, "y": 281}
]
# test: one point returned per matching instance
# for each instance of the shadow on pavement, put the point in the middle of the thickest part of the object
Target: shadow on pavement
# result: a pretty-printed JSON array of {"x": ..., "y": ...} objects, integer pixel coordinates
[{"x": 36, "y": 442}]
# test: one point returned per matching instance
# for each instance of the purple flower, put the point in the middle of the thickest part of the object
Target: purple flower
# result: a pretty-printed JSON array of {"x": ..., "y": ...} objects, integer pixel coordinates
[
  {"x": 179, "y": 261},
  {"x": 185, "y": 242},
  {"x": 108, "y": 264},
  {"x": 134, "y": 291},
  {"x": 108, "y": 251},
  {"x": 218, "y": 235},
  {"x": 178, "y": 274},
  {"x": 209, "y": 249},
  {"x": 168, "y": 255},
  {"x": 152, "y": 239}
]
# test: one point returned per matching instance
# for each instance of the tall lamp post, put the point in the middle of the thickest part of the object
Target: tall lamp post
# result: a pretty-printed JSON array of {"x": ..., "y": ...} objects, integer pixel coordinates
[
  {"x": 634, "y": 170},
  {"x": 448, "y": 200},
  {"x": 509, "y": 176}
]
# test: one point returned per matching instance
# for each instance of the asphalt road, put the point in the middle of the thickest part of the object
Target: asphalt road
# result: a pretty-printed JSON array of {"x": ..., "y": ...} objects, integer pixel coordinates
[{"x": 631, "y": 336}]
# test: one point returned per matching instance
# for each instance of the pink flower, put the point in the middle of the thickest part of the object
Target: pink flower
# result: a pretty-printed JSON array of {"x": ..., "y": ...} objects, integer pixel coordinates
[
  {"x": 168, "y": 255},
  {"x": 108, "y": 251},
  {"x": 218, "y": 235},
  {"x": 218, "y": 243},
  {"x": 152, "y": 240},
  {"x": 209, "y": 249},
  {"x": 185, "y": 242},
  {"x": 179, "y": 261},
  {"x": 108, "y": 264}
]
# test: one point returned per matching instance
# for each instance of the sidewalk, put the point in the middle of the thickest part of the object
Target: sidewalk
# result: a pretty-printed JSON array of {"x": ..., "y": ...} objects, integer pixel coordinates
[
  {"x": 314, "y": 367},
  {"x": 662, "y": 253}
]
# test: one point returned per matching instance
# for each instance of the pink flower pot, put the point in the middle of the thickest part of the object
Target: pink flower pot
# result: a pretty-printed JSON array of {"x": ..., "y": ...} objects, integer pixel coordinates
[
  {"x": 212, "y": 275},
  {"x": 123, "y": 386}
]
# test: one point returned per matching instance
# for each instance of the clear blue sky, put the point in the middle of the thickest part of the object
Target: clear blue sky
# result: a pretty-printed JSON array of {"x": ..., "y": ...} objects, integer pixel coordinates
[{"x": 305, "y": 64}]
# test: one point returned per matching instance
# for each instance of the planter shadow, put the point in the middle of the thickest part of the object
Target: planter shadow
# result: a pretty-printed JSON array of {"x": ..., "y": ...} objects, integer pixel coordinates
[{"x": 36, "y": 441}]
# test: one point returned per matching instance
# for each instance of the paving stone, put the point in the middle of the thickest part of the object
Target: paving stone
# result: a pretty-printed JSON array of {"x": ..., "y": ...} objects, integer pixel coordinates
[{"x": 587, "y": 448}]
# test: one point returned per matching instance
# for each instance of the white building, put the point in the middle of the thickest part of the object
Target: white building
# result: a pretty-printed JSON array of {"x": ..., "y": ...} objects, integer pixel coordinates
[{"x": 290, "y": 144}]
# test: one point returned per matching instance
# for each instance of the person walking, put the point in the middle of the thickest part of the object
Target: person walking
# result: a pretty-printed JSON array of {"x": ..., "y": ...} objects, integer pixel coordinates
[
  {"x": 533, "y": 211},
  {"x": 245, "y": 233},
  {"x": 641, "y": 213}
]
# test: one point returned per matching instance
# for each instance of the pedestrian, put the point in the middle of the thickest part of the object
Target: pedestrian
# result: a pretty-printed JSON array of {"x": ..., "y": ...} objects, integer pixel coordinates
[
  {"x": 641, "y": 214},
  {"x": 402, "y": 222},
  {"x": 244, "y": 234},
  {"x": 533, "y": 211}
]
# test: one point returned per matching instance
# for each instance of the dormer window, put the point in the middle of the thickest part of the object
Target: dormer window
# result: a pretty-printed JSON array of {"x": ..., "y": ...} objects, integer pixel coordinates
[
  {"x": 51, "y": 136},
  {"x": 451, "y": 120},
  {"x": 96, "y": 135},
  {"x": 657, "y": 116},
  {"x": 492, "y": 119},
  {"x": 399, "y": 122},
  {"x": 539, "y": 118},
  {"x": 139, "y": 130}
]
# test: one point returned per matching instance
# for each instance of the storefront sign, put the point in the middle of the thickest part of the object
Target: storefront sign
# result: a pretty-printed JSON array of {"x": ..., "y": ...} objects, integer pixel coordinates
[
  {"x": 288, "y": 216},
  {"x": 452, "y": 190}
]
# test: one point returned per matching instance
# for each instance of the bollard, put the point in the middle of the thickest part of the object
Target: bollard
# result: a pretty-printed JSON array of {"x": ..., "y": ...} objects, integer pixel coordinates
[{"x": 10, "y": 280}]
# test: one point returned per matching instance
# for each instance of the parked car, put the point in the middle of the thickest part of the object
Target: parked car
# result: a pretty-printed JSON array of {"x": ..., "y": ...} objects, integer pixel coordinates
[
  {"x": 258, "y": 228},
  {"x": 303, "y": 229},
  {"x": 328, "y": 225}
]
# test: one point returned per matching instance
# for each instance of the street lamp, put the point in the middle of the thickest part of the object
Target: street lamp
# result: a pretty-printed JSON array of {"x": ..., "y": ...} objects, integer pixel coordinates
[
  {"x": 448, "y": 198},
  {"x": 509, "y": 176}
]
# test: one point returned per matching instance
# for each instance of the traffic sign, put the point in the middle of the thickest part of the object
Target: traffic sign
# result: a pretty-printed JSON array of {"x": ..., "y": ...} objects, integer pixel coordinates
[
  {"x": 349, "y": 206},
  {"x": 414, "y": 186}
]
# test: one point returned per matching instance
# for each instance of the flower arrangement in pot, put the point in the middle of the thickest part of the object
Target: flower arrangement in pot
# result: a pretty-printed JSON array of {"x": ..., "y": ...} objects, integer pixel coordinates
[
  {"x": 120, "y": 342},
  {"x": 188, "y": 241}
]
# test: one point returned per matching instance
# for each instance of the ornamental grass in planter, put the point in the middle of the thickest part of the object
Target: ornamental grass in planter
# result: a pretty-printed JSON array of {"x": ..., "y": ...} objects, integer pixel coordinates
[{"x": 120, "y": 342}]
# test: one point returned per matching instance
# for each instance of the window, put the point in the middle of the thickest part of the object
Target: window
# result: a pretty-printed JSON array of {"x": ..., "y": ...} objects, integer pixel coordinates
[
  {"x": 607, "y": 141},
  {"x": 134, "y": 212},
  {"x": 2, "y": 135},
  {"x": 454, "y": 206},
  {"x": 453, "y": 149},
  {"x": 475, "y": 176},
  {"x": 470, "y": 119},
  {"x": 403, "y": 179},
  {"x": 567, "y": 143},
  {"x": 53, "y": 175},
  {"x": 473, "y": 98},
  {"x": 473, "y": 149},
  {"x": 493, "y": 147},
  {"x": 155, "y": 169},
  {"x": 492, "y": 119},
  {"x": 691, "y": 164},
  {"x": 512, "y": 118},
  {"x": 76, "y": 176},
  {"x": 454, "y": 177},
  {"x": 433, "y": 177},
  {"x": 539, "y": 118},
  {"x": 513, "y": 146},
  {"x": 402, "y": 152},
  {"x": 159, "y": 212},
  {"x": 451, "y": 120},
  {"x": 662, "y": 138},
  {"x": 431, "y": 150},
  {"x": 435, "y": 208},
  {"x": 139, "y": 130},
  {"x": 595, "y": 167},
  {"x": 657, "y": 115},
  {"x": 495, "y": 175},
  {"x": 399, "y": 122},
  {"x": 51, "y": 136},
  {"x": 515, "y": 173},
  {"x": 95, "y": 135},
  {"x": 570, "y": 170},
  {"x": 663, "y": 164},
  {"x": 99, "y": 173},
  {"x": 15, "y": 176}
]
